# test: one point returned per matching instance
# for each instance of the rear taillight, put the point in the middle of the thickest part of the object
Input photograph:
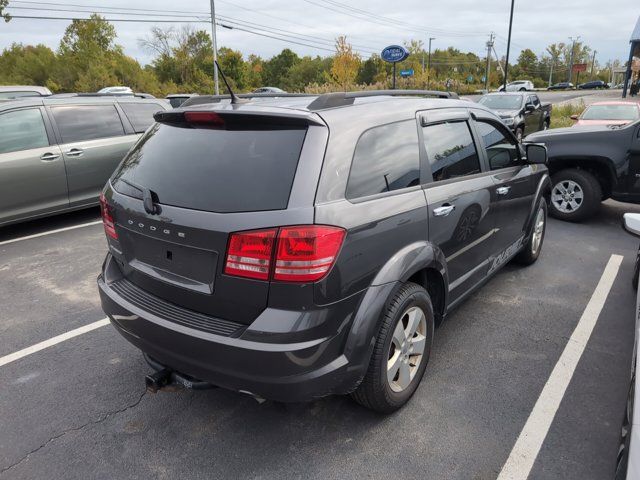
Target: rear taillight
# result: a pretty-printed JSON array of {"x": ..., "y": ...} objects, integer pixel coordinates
[
  {"x": 289, "y": 254},
  {"x": 249, "y": 254},
  {"x": 107, "y": 219},
  {"x": 306, "y": 253}
]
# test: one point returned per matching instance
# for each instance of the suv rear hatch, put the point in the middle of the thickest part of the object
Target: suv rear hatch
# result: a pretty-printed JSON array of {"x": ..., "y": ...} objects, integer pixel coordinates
[{"x": 192, "y": 180}]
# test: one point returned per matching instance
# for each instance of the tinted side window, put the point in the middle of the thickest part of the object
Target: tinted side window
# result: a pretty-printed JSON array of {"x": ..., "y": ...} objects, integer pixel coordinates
[
  {"x": 451, "y": 150},
  {"x": 386, "y": 158},
  {"x": 140, "y": 114},
  {"x": 22, "y": 130},
  {"x": 87, "y": 122},
  {"x": 536, "y": 100},
  {"x": 502, "y": 151}
]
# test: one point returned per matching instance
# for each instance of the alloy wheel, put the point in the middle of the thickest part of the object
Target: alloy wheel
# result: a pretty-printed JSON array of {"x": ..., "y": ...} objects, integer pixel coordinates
[
  {"x": 538, "y": 231},
  {"x": 567, "y": 196},
  {"x": 406, "y": 349}
]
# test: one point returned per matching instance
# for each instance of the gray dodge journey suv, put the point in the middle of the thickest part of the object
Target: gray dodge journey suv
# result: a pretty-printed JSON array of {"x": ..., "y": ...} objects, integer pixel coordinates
[{"x": 298, "y": 247}]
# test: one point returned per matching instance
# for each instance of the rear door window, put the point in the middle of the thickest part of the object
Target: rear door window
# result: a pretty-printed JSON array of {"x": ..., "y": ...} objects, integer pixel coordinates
[
  {"x": 80, "y": 123},
  {"x": 140, "y": 114},
  {"x": 386, "y": 158},
  {"x": 232, "y": 170},
  {"x": 22, "y": 130},
  {"x": 451, "y": 150}
]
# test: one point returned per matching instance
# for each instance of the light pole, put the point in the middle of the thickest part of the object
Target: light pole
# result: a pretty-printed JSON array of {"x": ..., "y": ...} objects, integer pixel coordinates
[
  {"x": 488, "y": 68},
  {"x": 593, "y": 63},
  {"x": 429, "y": 63},
  {"x": 506, "y": 63},
  {"x": 573, "y": 49},
  {"x": 214, "y": 44}
]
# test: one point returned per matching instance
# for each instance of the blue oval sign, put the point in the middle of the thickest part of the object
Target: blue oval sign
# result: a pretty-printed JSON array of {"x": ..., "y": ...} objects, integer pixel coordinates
[{"x": 394, "y": 54}]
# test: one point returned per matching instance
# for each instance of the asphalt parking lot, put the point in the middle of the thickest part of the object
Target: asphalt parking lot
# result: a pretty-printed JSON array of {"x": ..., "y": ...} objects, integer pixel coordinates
[{"x": 78, "y": 409}]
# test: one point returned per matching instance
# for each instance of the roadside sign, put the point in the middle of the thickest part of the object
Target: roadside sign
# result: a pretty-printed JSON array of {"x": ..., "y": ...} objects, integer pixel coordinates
[
  {"x": 394, "y": 54},
  {"x": 406, "y": 73},
  {"x": 579, "y": 67}
]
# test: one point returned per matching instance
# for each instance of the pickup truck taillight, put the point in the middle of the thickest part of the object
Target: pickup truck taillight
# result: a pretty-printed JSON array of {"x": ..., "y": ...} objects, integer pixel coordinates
[
  {"x": 107, "y": 219},
  {"x": 303, "y": 253}
]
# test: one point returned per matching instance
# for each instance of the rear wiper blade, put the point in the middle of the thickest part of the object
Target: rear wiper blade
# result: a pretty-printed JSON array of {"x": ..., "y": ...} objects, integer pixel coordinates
[{"x": 147, "y": 196}]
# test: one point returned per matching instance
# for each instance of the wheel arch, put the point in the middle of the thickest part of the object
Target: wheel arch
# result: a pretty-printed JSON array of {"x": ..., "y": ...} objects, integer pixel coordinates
[{"x": 600, "y": 167}]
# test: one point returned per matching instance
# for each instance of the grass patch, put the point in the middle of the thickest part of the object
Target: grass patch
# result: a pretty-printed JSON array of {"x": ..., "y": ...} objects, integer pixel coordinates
[{"x": 561, "y": 115}]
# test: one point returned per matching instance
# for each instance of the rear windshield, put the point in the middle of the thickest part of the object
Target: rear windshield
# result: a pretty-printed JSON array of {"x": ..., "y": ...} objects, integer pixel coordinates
[
  {"x": 214, "y": 170},
  {"x": 502, "y": 102}
]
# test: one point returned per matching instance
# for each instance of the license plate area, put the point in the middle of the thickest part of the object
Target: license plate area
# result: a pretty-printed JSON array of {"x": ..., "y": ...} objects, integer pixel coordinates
[{"x": 184, "y": 266}]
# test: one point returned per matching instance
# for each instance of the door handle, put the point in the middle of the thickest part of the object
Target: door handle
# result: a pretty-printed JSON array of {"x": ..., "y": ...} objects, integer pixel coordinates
[
  {"x": 48, "y": 157},
  {"x": 502, "y": 190},
  {"x": 74, "y": 152},
  {"x": 443, "y": 211}
]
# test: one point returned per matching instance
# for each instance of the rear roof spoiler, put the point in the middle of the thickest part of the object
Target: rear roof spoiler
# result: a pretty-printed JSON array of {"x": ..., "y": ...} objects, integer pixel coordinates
[{"x": 237, "y": 118}]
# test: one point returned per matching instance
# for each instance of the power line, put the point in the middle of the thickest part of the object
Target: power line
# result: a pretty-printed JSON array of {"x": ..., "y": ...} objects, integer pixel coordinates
[{"x": 235, "y": 23}]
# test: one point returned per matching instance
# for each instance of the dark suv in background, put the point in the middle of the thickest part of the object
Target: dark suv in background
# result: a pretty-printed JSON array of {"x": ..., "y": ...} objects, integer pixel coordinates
[
  {"x": 297, "y": 247},
  {"x": 57, "y": 152}
]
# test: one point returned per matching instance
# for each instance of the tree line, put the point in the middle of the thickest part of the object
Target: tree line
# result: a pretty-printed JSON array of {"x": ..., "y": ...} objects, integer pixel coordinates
[{"x": 88, "y": 58}]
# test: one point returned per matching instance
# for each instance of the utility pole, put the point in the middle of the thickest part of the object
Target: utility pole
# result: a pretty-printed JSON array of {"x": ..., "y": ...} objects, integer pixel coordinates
[
  {"x": 488, "y": 69},
  {"x": 573, "y": 50},
  {"x": 429, "y": 63},
  {"x": 593, "y": 63},
  {"x": 553, "y": 61},
  {"x": 506, "y": 63},
  {"x": 214, "y": 44}
]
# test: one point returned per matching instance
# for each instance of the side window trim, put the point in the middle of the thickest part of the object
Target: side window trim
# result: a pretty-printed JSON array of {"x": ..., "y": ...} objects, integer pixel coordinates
[
  {"x": 502, "y": 129},
  {"x": 398, "y": 191},
  {"x": 456, "y": 118},
  {"x": 56, "y": 129},
  {"x": 45, "y": 120},
  {"x": 126, "y": 123}
]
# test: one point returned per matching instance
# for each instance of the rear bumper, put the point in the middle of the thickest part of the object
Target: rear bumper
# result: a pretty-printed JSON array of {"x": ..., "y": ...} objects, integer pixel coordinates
[{"x": 311, "y": 366}]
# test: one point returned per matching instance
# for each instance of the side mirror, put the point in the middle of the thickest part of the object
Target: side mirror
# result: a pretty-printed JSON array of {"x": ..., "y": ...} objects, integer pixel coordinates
[
  {"x": 529, "y": 107},
  {"x": 536, "y": 153},
  {"x": 631, "y": 223},
  {"x": 574, "y": 117}
]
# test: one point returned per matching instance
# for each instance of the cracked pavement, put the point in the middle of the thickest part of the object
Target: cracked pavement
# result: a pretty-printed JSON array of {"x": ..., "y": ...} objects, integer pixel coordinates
[{"x": 75, "y": 410}]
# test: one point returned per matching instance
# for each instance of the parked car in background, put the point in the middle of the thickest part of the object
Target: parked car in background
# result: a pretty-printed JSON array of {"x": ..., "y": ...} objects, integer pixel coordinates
[
  {"x": 522, "y": 112},
  {"x": 56, "y": 154},
  {"x": 628, "y": 461},
  {"x": 518, "y": 86},
  {"x": 302, "y": 247},
  {"x": 116, "y": 90},
  {"x": 10, "y": 92},
  {"x": 608, "y": 113},
  {"x": 177, "y": 99},
  {"x": 593, "y": 85},
  {"x": 589, "y": 165},
  {"x": 268, "y": 90},
  {"x": 561, "y": 86}
]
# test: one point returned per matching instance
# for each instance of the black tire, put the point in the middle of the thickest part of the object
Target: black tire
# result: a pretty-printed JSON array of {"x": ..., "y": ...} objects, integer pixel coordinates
[
  {"x": 529, "y": 254},
  {"x": 523, "y": 89},
  {"x": 592, "y": 195},
  {"x": 546, "y": 125},
  {"x": 519, "y": 134},
  {"x": 375, "y": 392}
]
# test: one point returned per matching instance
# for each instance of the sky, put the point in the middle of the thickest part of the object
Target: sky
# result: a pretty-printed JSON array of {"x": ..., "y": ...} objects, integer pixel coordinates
[{"x": 369, "y": 25}]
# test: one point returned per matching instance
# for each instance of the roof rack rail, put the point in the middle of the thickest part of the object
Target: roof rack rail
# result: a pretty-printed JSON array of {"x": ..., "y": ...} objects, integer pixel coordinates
[
  {"x": 339, "y": 99},
  {"x": 68, "y": 95},
  {"x": 202, "y": 99}
]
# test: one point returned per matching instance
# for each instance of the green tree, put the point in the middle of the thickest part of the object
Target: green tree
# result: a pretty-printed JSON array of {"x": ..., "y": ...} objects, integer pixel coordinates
[
  {"x": 276, "y": 70},
  {"x": 372, "y": 70},
  {"x": 4, "y": 4},
  {"x": 345, "y": 64}
]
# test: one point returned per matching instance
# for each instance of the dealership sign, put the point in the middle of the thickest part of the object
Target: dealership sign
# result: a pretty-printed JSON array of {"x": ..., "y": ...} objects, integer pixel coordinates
[
  {"x": 579, "y": 67},
  {"x": 394, "y": 54}
]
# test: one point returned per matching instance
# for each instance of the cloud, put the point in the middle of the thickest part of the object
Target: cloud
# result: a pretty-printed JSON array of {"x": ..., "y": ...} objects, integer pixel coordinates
[{"x": 463, "y": 24}]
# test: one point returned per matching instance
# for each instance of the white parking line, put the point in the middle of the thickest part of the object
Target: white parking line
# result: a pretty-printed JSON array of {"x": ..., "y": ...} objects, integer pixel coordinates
[
  {"x": 524, "y": 452},
  {"x": 52, "y": 341},
  {"x": 50, "y": 232}
]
